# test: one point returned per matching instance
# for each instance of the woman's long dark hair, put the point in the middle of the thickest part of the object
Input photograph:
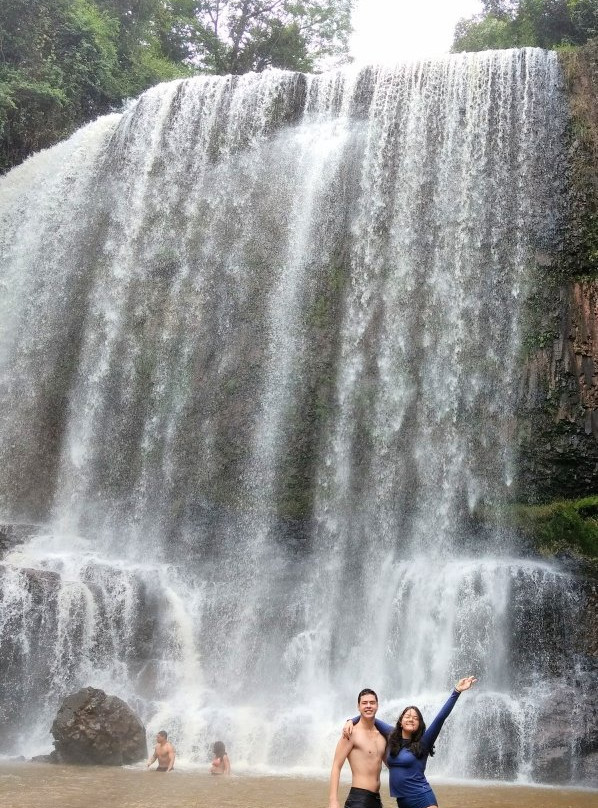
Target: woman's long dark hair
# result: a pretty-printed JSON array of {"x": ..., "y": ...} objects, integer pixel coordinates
[
  {"x": 395, "y": 741},
  {"x": 219, "y": 749}
]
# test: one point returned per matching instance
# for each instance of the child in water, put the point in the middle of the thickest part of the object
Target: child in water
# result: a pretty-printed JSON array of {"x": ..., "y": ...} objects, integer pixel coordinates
[{"x": 220, "y": 763}]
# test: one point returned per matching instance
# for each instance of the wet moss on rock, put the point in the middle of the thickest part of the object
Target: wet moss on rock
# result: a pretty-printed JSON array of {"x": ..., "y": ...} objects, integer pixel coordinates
[
  {"x": 316, "y": 404},
  {"x": 559, "y": 527}
]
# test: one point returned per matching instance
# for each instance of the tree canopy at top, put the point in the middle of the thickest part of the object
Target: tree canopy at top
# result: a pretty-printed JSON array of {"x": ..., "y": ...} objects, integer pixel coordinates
[
  {"x": 236, "y": 36},
  {"x": 63, "y": 62},
  {"x": 528, "y": 23}
]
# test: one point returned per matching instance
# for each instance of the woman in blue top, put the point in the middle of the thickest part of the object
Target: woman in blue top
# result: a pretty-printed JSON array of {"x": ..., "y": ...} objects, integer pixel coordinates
[{"x": 409, "y": 744}]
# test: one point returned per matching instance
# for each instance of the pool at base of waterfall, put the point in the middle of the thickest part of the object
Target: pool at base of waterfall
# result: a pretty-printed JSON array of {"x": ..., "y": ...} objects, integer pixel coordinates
[{"x": 25, "y": 785}]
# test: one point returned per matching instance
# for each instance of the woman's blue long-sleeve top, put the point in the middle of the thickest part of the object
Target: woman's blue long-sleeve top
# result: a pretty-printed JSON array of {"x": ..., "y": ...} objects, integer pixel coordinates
[{"x": 406, "y": 772}]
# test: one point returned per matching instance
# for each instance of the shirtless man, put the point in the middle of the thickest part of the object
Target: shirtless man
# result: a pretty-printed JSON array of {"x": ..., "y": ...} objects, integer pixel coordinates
[
  {"x": 364, "y": 752},
  {"x": 163, "y": 753}
]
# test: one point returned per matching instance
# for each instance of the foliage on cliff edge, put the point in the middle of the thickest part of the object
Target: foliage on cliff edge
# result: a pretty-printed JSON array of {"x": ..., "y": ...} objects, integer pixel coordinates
[
  {"x": 64, "y": 62},
  {"x": 527, "y": 23},
  {"x": 557, "y": 527}
]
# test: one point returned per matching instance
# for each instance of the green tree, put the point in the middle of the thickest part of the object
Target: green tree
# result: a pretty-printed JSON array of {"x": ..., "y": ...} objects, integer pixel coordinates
[
  {"x": 483, "y": 33},
  {"x": 236, "y": 36},
  {"x": 521, "y": 23},
  {"x": 63, "y": 62},
  {"x": 500, "y": 8},
  {"x": 50, "y": 51},
  {"x": 584, "y": 15}
]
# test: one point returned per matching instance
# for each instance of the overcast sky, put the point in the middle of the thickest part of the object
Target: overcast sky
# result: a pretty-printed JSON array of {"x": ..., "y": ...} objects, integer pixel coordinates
[{"x": 387, "y": 31}]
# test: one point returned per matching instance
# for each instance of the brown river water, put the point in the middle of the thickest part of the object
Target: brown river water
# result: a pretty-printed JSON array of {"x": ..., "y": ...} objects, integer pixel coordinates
[{"x": 38, "y": 785}]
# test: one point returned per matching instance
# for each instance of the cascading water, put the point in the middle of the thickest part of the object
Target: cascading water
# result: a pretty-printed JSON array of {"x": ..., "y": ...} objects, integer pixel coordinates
[{"x": 259, "y": 342}]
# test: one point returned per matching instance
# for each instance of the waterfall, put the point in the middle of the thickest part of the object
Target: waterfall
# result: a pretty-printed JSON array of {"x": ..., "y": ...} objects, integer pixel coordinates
[{"x": 258, "y": 368}]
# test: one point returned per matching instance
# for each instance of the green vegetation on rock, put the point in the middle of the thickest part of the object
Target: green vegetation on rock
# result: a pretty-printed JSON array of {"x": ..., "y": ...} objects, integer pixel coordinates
[
  {"x": 556, "y": 527},
  {"x": 297, "y": 486}
]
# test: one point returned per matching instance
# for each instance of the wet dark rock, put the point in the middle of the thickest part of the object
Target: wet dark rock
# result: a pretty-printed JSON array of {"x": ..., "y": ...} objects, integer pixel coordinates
[
  {"x": 40, "y": 583},
  {"x": 588, "y": 770},
  {"x": 95, "y": 728},
  {"x": 13, "y": 535},
  {"x": 557, "y": 423},
  {"x": 554, "y": 765},
  {"x": 27, "y": 642},
  {"x": 494, "y": 759},
  {"x": 588, "y": 619},
  {"x": 51, "y": 758},
  {"x": 567, "y": 734}
]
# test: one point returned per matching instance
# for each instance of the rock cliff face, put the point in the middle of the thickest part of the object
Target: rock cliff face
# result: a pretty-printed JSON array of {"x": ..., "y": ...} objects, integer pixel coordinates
[
  {"x": 558, "y": 401},
  {"x": 557, "y": 424},
  {"x": 557, "y": 760}
]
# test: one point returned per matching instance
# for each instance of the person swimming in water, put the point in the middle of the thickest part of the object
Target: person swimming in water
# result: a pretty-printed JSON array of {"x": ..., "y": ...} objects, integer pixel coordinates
[
  {"x": 408, "y": 747},
  {"x": 221, "y": 763},
  {"x": 163, "y": 752}
]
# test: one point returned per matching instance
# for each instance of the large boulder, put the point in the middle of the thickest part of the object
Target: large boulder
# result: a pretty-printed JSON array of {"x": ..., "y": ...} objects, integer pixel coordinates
[{"x": 92, "y": 727}]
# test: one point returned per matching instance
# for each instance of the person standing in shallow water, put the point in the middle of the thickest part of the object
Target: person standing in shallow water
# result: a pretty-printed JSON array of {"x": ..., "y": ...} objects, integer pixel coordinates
[
  {"x": 221, "y": 763},
  {"x": 163, "y": 752},
  {"x": 364, "y": 750},
  {"x": 409, "y": 746}
]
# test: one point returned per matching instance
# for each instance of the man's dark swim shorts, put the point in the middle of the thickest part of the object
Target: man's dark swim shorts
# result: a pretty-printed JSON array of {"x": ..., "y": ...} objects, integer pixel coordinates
[{"x": 362, "y": 798}]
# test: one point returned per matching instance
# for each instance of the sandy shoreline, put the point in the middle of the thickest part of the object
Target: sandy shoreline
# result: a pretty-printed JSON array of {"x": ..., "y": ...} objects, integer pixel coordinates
[{"x": 31, "y": 785}]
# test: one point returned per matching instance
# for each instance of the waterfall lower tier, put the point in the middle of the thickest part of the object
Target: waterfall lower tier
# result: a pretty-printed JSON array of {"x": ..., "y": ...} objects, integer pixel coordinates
[
  {"x": 157, "y": 635},
  {"x": 259, "y": 340}
]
